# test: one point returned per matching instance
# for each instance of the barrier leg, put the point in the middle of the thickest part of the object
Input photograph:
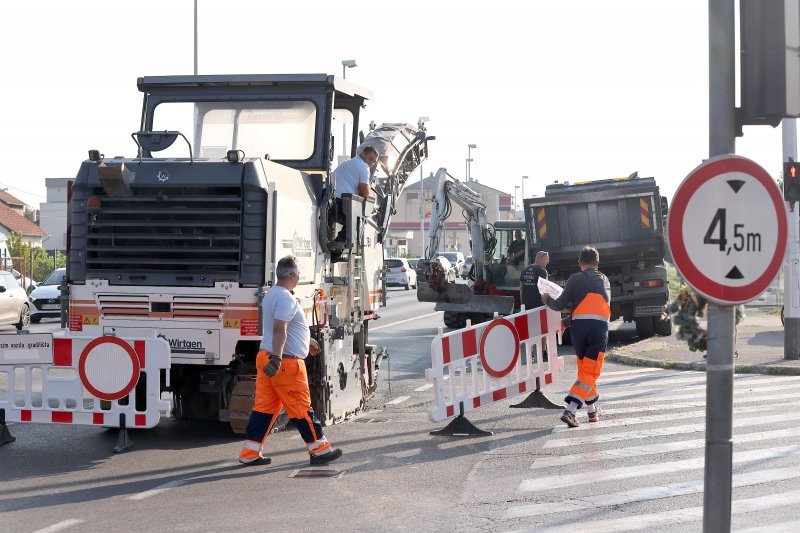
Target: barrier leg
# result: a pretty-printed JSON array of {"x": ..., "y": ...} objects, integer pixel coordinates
[
  {"x": 461, "y": 427},
  {"x": 5, "y": 435},
  {"x": 536, "y": 399},
  {"x": 123, "y": 441}
]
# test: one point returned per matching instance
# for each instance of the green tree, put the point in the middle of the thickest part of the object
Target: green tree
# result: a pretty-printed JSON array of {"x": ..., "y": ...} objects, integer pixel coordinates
[
  {"x": 33, "y": 260},
  {"x": 29, "y": 213}
]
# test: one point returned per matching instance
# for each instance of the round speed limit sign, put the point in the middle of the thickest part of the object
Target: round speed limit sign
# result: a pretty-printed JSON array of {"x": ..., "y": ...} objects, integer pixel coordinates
[{"x": 727, "y": 229}]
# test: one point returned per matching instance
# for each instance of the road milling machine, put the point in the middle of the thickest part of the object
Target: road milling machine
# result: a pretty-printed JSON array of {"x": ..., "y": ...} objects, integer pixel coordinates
[
  {"x": 172, "y": 251},
  {"x": 492, "y": 288}
]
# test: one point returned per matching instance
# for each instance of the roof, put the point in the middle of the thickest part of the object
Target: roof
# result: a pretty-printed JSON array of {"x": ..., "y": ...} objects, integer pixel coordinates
[
  {"x": 56, "y": 182},
  {"x": 146, "y": 83},
  {"x": 9, "y": 199},
  {"x": 17, "y": 223},
  {"x": 478, "y": 187}
]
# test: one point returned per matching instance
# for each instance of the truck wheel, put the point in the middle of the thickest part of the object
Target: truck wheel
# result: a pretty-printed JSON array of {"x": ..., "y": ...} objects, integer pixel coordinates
[
  {"x": 451, "y": 320},
  {"x": 663, "y": 326},
  {"x": 645, "y": 327}
]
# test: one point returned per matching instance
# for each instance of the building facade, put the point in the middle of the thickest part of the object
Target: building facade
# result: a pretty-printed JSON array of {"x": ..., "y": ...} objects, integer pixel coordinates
[
  {"x": 53, "y": 214},
  {"x": 413, "y": 205}
]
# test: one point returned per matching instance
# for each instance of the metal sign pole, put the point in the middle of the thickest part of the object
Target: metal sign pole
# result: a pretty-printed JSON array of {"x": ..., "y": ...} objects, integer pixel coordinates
[
  {"x": 719, "y": 367},
  {"x": 791, "y": 263}
]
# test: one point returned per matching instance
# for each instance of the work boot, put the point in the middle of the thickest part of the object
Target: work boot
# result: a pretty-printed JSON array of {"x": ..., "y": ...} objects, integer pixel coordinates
[
  {"x": 594, "y": 416},
  {"x": 326, "y": 457},
  {"x": 569, "y": 419},
  {"x": 258, "y": 461}
]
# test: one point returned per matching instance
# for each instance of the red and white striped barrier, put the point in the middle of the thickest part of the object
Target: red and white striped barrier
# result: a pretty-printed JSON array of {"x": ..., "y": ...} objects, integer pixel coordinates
[
  {"x": 91, "y": 381},
  {"x": 482, "y": 364}
]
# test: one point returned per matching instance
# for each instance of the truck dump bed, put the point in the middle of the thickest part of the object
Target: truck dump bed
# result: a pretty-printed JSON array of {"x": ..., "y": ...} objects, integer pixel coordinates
[{"x": 622, "y": 218}]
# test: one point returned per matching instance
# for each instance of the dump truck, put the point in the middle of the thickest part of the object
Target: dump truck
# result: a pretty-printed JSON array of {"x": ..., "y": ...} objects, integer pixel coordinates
[
  {"x": 172, "y": 250},
  {"x": 624, "y": 218}
]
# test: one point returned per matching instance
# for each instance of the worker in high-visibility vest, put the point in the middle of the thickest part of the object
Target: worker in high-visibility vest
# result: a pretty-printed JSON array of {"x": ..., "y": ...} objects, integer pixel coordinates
[
  {"x": 281, "y": 379},
  {"x": 589, "y": 294}
]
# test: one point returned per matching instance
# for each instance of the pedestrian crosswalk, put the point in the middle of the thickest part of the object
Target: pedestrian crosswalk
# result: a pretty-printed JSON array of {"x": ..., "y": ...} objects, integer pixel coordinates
[{"x": 641, "y": 467}]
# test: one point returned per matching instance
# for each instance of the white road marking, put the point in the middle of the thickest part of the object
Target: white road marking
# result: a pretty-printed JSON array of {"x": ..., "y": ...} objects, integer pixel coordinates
[
  {"x": 660, "y": 432},
  {"x": 785, "y": 527},
  {"x": 404, "y": 321},
  {"x": 695, "y": 383},
  {"x": 687, "y": 405},
  {"x": 649, "y": 493},
  {"x": 666, "y": 397},
  {"x": 424, "y": 387},
  {"x": 664, "y": 417},
  {"x": 651, "y": 379},
  {"x": 669, "y": 518},
  {"x": 633, "y": 371},
  {"x": 399, "y": 399},
  {"x": 60, "y": 526},
  {"x": 582, "y": 478},
  {"x": 158, "y": 490},
  {"x": 656, "y": 449}
]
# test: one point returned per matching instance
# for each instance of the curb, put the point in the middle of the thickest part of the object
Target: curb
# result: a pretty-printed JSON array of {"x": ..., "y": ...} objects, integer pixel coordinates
[{"x": 631, "y": 360}]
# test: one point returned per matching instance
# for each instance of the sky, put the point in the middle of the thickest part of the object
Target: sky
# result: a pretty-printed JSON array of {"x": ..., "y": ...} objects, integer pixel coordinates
[{"x": 554, "y": 90}]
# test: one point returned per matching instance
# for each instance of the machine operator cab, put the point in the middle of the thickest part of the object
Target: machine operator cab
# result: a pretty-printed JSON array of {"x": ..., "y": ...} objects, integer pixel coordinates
[
  {"x": 297, "y": 120},
  {"x": 508, "y": 257}
]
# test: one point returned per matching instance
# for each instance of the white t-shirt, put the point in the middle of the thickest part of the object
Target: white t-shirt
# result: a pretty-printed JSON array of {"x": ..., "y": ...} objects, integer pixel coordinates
[
  {"x": 349, "y": 175},
  {"x": 281, "y": 304}
]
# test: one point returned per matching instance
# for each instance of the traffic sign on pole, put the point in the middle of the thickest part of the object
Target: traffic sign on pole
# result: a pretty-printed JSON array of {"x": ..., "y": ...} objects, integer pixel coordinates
[{"x": 727, "y": 229}]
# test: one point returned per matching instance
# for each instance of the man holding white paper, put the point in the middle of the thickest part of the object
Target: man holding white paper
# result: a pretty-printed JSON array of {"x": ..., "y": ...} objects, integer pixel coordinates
[{"x": 588, "y": 293}]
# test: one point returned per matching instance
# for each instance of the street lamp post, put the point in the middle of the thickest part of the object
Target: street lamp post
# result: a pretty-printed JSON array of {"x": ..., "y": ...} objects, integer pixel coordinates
[
  {"x": 346, "y": 64},
  {"x": 516, "y": 205},
  {"x": 421, "y": 124},
  {"x": 470, "y": 147},
  {"x": 522, "y": 194}
]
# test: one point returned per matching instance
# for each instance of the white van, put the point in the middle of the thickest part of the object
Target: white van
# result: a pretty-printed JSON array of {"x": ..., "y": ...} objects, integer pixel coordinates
[{"x": 455, "y": 258}]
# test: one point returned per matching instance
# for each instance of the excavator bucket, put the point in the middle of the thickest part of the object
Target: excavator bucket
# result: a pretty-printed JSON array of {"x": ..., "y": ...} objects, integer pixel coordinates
[
  {"x": 446, "y": 293},
  {"x": 487, "y": 304}
]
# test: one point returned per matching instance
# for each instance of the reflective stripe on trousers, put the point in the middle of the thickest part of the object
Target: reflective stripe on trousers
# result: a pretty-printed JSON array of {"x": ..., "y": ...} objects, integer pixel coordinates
[
  {"x": 288, "y": 389},
  {"x": 589, "y": 338}
]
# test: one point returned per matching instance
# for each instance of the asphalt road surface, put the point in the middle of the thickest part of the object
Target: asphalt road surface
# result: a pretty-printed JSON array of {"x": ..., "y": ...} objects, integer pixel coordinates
[{"x": 639, "y": 469}]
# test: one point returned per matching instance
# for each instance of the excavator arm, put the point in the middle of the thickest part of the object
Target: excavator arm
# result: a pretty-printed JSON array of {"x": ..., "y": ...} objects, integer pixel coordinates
[
  {"x": 458, "y": 297},
  {"x": 402, "y": 148}
]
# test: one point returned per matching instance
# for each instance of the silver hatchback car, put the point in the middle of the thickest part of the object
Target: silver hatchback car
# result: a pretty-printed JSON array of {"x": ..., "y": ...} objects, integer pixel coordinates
[{"x": 13, "y": 302}]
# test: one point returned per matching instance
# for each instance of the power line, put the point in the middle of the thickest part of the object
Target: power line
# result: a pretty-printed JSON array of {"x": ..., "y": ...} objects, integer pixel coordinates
[{"x": 20, "y": 190}]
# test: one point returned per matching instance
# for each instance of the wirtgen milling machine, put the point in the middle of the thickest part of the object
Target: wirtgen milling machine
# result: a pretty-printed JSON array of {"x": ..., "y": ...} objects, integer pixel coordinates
[{"x": 172, "y": 251}]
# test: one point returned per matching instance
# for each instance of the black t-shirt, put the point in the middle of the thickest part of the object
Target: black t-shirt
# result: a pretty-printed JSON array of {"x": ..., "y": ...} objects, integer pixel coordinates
[
  {"x": 528, "y": 281},
  {"x": 513, "y": 248}
]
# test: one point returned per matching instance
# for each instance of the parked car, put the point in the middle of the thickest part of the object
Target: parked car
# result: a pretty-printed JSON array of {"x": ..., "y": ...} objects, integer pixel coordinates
[
  {"x": 399, "y": 272},
  {"x": 13, "y": 302},
  {"x": 466, "y": 267},
  {"x": 448, "y": 267},
  {"x": 45, "y": 300},
  {"x": 415, "y": 264},
  {"x": 25, "y": 282},
  {"x": 456, "y": 259}
]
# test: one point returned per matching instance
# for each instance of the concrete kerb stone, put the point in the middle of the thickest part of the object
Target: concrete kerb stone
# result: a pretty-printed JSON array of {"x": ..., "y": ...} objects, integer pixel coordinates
[{"x": 616, "y": 357}]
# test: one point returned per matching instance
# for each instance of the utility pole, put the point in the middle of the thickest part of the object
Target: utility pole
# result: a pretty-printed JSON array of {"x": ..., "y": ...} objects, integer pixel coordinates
[
  {"x": 791, "y": 262},
  {"x": 721, "y": 318},
  {"x": 195, "y": 37}
]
